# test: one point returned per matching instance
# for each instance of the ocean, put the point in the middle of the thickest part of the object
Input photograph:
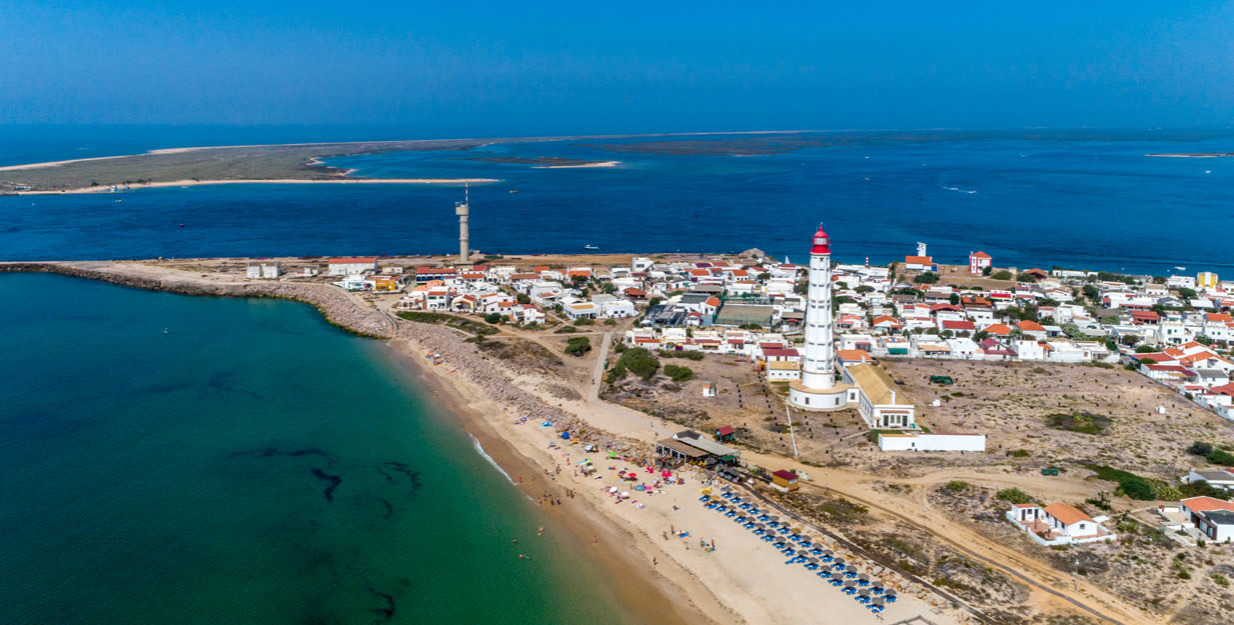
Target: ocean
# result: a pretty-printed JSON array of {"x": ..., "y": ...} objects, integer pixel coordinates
[
  {"x": 170, "y": 459},
  {"x": 1075, "y": 200}
]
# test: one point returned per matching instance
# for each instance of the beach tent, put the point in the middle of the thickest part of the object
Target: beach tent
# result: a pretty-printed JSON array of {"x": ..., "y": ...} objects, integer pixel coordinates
[{"x": 565, "y": 436}]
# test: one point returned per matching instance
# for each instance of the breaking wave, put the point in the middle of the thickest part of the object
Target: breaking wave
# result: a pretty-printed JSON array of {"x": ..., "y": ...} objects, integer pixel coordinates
[
  {"x": 959, "y": 190},
  {"x": 479, "y": 449}
]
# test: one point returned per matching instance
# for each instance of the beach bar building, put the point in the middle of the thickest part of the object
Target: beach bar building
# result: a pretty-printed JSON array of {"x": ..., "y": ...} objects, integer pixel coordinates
[
  {"x": 784, "y": 481},
  {"x": 672, "y": 451}
]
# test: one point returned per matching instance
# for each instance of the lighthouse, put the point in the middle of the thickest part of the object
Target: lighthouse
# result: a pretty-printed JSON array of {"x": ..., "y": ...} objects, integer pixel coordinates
[{"x": 817, "y": 389}]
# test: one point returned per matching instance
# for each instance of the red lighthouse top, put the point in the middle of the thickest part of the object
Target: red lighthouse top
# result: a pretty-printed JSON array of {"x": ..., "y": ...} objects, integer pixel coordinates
[{"x": 821, "y": 242}]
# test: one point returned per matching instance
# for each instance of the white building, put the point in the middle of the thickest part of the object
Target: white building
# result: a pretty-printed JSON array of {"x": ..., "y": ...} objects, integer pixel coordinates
[
  {"x": 352, "y": 265},
  {"x": 265, "y": 271},
  {"x": 913, "y": 441},
  {"x": 1058, "y": 524}
]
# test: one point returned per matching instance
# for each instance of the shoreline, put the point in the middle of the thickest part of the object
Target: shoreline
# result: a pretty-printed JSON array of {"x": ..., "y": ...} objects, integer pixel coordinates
[
  {"x": 197, "y": 183},
  {"x": 741, "y": 582},
  {"x": 632, "y": 581}
]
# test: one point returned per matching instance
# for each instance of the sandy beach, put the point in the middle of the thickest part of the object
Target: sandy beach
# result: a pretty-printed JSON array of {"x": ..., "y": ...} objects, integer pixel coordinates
[
  {"x": 744, "y": 580},
  {"x": 197, "y": 183}
]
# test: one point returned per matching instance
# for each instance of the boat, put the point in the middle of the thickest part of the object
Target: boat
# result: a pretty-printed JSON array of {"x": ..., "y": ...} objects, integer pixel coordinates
[
  {"x": 590, "y": 247},
  {"x": 1181, "y": 268},
  {"x": 513, "y": 190}
]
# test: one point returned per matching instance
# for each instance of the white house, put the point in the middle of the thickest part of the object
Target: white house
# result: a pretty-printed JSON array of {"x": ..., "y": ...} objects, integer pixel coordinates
[
  {"x": 914, "y": 441},
  {"x": 580, "y": 310},
  {"x": 1057, "y": 524},
  {"x": 265, "y": 271},
  {"x": 352, "y": 265},
  {"x": 1213, "y": 517}
]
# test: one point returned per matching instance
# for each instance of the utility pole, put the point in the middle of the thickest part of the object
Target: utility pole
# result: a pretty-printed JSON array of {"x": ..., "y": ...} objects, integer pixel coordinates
[{"x": 789, "y": 418}]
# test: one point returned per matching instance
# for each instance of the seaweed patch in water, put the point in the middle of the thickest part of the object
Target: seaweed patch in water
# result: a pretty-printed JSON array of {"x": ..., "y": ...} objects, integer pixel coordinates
[
  {"x": 270, "y": 452},
  {"x": 413, "y": 477},
  {"x": 388, "y": 611},
  {"x": 333, "y": 479}
]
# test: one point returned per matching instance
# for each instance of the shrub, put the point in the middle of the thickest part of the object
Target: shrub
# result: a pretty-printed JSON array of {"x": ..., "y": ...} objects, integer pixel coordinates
[
  {"x": 578, "y": 345},
  {"x": 1220, "y": 579},
  {"x": 1200, "y": 448},
  {"x": 926, "y": 278},
  {"x": 493, "y": 318},
  {"x": 1221, "y": 457},
  {"x": 678, "y": 374},
  {"x": 640, "y": 362},
  {"x": 1013, "y": 495},
  {"x": 1082, "y": 422},
  {"x": 584, "y": 322},
  {"x": 1201, "y": 488},
  {"x": 956, "y": 486},
  {"x": 1002, "y": 275},
  {"x": 1018, "y": 453}
]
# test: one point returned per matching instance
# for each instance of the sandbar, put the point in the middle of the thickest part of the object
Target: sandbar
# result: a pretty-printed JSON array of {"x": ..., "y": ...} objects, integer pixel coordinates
[{"x": 197, "y": 183}]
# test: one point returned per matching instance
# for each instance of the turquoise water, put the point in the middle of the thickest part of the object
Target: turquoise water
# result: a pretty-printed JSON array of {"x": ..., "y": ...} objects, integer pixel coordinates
[{"x": 251, "y": 465}]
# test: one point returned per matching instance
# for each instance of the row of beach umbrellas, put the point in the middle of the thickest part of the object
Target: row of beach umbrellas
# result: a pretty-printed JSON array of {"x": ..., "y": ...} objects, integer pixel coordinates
[{"x": 801, "y": 549}]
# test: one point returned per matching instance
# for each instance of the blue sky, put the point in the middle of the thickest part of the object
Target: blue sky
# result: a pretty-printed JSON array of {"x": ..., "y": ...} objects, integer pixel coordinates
[{"x": 537, "y": 67}]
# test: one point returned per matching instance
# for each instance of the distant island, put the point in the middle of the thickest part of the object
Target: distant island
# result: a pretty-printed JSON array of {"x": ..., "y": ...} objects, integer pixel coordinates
[
  {"x": 544, "y": 162},
  {"x": 1193, "y": 155},
  {"x": 285, "y": 163}
]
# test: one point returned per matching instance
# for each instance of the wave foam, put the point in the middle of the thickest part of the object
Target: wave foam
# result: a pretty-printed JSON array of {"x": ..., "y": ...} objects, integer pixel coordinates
[{"x": 480, "y": 450}]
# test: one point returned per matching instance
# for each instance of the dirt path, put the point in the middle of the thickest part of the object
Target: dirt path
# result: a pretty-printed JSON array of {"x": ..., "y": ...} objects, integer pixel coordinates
[
  {"x": 1049, "y": 585},
  {"x": 593, "y": 391}
]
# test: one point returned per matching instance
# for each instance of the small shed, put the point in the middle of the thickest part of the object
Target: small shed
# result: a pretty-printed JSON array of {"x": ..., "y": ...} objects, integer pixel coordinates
[
  {"x": 726, "y": 434},
  {"x": 784, "y": 481}
]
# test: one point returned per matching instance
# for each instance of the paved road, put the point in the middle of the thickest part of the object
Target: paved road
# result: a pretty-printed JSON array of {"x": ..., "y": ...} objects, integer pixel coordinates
[{"x": 593, "y": 392}]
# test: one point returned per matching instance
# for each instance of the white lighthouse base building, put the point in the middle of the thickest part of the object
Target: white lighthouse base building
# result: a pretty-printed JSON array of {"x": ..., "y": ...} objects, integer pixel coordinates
[{"x": 818, "y": 399}]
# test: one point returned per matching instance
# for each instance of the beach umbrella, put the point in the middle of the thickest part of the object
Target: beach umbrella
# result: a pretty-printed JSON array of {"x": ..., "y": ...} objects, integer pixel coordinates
[
  {"x": 812, "y": 560},
  {"x": 625, "y": 495}
]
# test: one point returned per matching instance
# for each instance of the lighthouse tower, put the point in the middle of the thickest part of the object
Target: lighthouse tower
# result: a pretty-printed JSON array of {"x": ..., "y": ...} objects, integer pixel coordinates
[{"x": 817, "y": 389}]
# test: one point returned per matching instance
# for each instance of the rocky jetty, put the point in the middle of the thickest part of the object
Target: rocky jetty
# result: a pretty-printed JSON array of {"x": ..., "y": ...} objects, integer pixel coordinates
[{"x": 333, "y": 303}]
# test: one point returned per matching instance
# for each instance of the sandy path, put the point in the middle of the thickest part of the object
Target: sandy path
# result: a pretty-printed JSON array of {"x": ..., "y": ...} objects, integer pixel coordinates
[{"x": 1040, "y": 576}]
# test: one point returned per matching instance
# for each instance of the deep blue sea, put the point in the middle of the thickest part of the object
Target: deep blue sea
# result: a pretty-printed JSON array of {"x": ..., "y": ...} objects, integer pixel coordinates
[{"x": 1066, "y": 200}]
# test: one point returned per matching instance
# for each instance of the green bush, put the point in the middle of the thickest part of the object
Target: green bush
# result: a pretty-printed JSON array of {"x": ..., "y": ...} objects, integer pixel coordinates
[
  {"x": 493, "y": 318},
  {"x": 639, "y": 361},
  {"x": 1013, "y": 495},
  {"x": 926, "y": 278},
  {"x": 956, "y": 486},
  {"x": 1200, "y": 448},
  {"x": 1082, "y": 422},
  {"x": 1221, "y": 457},
  {"x": 578, "y": 345},
  {"x": 584, "y": 322},
  {"x": 678, "y": 374},
  {"x": 1002, "y": 275}
]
